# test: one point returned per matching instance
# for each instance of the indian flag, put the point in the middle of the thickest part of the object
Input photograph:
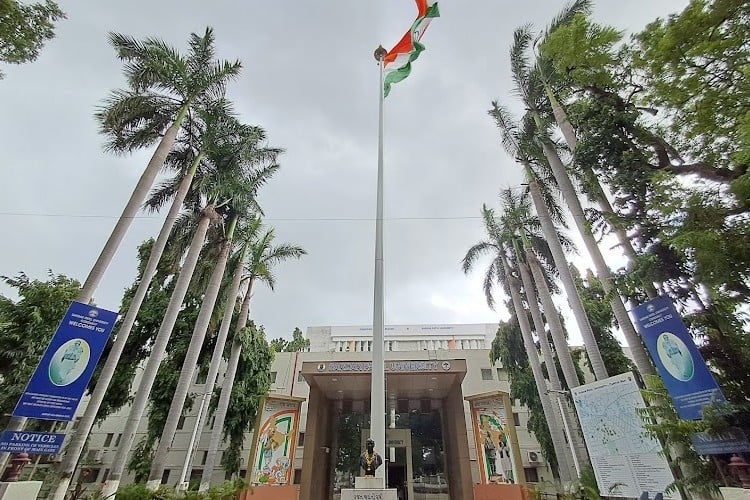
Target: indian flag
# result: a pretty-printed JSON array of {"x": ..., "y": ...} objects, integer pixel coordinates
[{"x": 397, "y": 62}]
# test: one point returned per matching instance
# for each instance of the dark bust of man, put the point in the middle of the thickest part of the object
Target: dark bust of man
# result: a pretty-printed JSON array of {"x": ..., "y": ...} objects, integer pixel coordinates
[{"x": 369, "y": 460}]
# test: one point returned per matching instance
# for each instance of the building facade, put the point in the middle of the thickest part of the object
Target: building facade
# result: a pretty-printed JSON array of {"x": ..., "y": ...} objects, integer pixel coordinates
[{"x": 433, "y": 372}]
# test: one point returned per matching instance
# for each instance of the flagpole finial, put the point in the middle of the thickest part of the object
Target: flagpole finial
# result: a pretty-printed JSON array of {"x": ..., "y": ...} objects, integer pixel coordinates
[{"x": 380, "y": 53}]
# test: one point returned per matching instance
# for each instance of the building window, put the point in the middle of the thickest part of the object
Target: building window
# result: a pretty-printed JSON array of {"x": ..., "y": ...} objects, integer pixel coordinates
[
  {"x": 211, "y": 422},
  {"x": 486, "y": 374},
  {"x": 180, "y": 425},
  {"x": 500, "y": 374},
  {"x": 516, "y": 420},
  {"x": 108, "y": 440},
  {"x": 531, "y": 474},
  {"x": 201, "y": 377},
  {"x": 205, "y": 456},
  {"x": 301, "y": 439},
  {"x": 89, "y": 475},
  {"x": 165, "y": 476},
  {"x": 272, "y": 376},
  {"x": 369, "y": 345},
  {"x": 300, "y": 378},
  {"x": 105, "y": 476},
  {"x": 297, "y": 476}
]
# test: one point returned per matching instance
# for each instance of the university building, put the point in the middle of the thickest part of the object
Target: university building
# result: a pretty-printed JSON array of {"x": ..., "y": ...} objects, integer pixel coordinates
[{"x": 450, "y": 424}]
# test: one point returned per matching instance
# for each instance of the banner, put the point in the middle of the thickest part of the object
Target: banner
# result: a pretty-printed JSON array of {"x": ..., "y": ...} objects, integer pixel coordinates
[
  {"x": 275, "y": 442},
  {"x": 493, "y": 440},
  {"x": 626, "y": 461},
  {"x": 61, "y": 378},
  {"x": 686, "y": 377},
  {"x": 35, "y": 443}
]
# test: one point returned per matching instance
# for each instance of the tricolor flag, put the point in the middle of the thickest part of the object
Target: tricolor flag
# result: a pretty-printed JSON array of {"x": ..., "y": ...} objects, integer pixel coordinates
[{"x": 397, "y": 62}]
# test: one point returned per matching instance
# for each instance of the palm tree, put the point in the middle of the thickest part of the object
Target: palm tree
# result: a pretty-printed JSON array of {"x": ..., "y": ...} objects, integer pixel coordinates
[
  {"x": 191, "y": 359},
  {"x": 500, "y": 271},
  {"x": 228, "y": 180},
  {"x": 208, "y": 131},
  {"x": 518, "y": 144},
  {"x": 528, "y": 241},
  {"x": 165, "y": 86},
  {"x": 250, "y": 230},
  {"x": 515, "y": 220},
  {"x": 263, "y": 258},
  {"x": 527, "y": 86},
  {"x": 545, "y": 69}
]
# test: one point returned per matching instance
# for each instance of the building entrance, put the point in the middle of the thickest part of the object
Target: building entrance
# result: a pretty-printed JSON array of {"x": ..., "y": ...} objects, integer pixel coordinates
[{"x": 426, "y": 453}]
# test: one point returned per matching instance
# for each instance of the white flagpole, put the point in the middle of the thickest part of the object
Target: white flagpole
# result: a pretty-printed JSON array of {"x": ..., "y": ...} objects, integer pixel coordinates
[{"x": 377, "y": 395}]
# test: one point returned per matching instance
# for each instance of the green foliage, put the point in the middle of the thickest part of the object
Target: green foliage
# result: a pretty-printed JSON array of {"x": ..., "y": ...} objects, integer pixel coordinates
[
  {"x": 24, "y": 29},
  {"x": 696, "y": 66},
  {"x": 226, "y": 491},
  {"x": 26, "y": 328},
  {"x": 662, "y": 423},
  {"x": 298, "y": 343},
  {"x": 252, "y": 382},
  {"x": 509, "y": 349}
]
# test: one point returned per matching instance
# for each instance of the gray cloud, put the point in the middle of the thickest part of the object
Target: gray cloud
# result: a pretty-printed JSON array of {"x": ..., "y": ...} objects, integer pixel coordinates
[{"x": 310, "y": 79}]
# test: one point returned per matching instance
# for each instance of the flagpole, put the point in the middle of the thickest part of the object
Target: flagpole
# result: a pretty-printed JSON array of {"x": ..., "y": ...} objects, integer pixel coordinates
[{"x": 377, "y": 395}]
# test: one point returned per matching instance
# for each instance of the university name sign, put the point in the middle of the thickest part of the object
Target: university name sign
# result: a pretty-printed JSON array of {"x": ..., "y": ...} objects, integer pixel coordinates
[{"x": 390, "y": 366}]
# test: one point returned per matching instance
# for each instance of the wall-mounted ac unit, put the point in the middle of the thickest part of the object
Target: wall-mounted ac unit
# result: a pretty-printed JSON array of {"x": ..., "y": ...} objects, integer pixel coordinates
[
  {"x": 534, "y": 457},
  {"x": 99, "y": 456}
]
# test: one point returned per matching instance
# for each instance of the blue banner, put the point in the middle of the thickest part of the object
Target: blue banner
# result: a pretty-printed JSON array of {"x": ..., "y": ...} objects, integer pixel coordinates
[
  {"x": 686, "y": 377},
  {"x": 63, "y": 374},
  {"x": 34, "y": 443}
]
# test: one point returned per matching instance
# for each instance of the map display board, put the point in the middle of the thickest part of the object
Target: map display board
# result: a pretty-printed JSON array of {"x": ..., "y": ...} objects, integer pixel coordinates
[{"x": 626, "y": 461}]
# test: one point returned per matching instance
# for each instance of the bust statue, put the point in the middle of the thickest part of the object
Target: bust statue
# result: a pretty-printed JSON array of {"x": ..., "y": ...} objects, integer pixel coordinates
[{"x": 369, "y": 460}]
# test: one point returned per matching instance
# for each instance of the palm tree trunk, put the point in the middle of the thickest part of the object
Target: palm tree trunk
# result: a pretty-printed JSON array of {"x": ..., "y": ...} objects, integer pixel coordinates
[
  {"x": 155, "y": 358},
  {"x": 640, "y": 356},
  {"x": 139, "y": 194},
  {"x": 536, "y": 316},
  {"x": 81, "y": 434},
  {"x": 558, "y": 440},
  {"x": 574, "y": 299},
  {"x": 217, "y": 431},
  {"x": 191, "y": 362},
  {"x": 218, "y": 354},
  {"x": 555, "y": 325},
  {"x": 561, "y": 117}
]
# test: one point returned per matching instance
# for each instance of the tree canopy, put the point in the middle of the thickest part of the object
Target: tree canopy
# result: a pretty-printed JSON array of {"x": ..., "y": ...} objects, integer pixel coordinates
[{"x": 25, "y": 28}]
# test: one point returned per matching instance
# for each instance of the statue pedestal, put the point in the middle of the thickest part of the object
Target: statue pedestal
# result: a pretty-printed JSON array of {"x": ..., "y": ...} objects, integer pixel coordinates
[
  {"x": 369, "y": 483},
  {"x": 368, "y": 494},
  {"x": 369, "y": 488}
]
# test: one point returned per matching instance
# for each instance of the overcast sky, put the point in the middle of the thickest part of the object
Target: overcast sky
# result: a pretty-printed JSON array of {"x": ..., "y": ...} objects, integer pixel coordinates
[{"x": 311, "y": 81}]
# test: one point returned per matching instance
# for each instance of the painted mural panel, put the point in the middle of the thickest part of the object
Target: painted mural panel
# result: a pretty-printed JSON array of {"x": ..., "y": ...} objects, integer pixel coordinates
[
  {"x": 276, "y": 441},
  {"x": 493, "y": 441}
]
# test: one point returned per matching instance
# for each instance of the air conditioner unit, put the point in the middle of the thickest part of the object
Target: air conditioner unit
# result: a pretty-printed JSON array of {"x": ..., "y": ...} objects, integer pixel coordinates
[
  {"x": 99, "y": 456},
  {"x": 534, "y": 457}
]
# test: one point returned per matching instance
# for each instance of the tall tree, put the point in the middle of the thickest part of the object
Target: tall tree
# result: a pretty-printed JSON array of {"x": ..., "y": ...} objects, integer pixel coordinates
[
  {"x": 519, "y": 143},
  {"x": 212, "y": 128},
  {"x": 263, "y": 257},
  {"x": 499, "y": 271},
  {"x": 25, "y": 28},
  {"x": 527, "y": 85}
]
